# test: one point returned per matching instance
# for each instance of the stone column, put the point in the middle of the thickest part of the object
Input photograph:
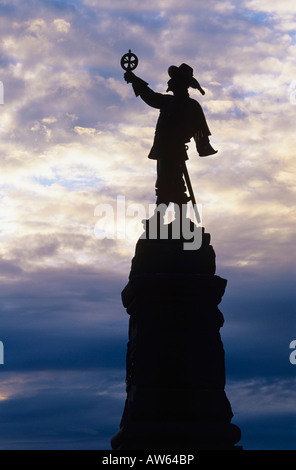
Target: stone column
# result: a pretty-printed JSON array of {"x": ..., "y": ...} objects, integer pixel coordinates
[{"x": 175, "y": 368}]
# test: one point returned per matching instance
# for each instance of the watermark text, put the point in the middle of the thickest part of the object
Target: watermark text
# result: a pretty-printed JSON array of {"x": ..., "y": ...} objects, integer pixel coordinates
[
  {"x": 293, "y": 353},
  {"x": 127, "y": 221},
  {"x": 1, "y": 353},
  {"x": 292, "y": 91},
  {"x": 1, "y": 93}
]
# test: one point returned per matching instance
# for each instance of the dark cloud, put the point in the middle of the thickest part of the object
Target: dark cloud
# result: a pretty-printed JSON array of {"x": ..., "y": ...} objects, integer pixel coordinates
[
  {"x": 63, "y": 410},
  {"x": 268, "y": 432},
  {"x": 65, "y": 333},
  {"x": 259, "y": 314}
]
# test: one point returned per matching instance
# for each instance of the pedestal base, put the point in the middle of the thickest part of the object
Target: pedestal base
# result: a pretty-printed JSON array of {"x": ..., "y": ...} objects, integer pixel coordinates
[
  {"x": 175, "y": 358},
  {"x": 177, "y": 436}
]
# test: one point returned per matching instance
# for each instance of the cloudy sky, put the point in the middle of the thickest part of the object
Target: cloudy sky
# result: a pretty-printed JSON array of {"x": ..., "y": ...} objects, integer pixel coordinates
[{"x": 74, "y": 138}]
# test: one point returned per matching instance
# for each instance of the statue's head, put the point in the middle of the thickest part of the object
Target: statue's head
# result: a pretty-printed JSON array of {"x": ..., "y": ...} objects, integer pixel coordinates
[{"x": 182, "y": 78}]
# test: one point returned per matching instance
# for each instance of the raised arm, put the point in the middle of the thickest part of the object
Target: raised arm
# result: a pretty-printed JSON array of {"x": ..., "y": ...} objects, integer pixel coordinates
[{"x": 141, "y": 88}]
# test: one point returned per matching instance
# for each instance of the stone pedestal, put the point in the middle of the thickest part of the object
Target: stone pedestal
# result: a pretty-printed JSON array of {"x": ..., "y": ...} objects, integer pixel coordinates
[{"x": 175, "y": 364}]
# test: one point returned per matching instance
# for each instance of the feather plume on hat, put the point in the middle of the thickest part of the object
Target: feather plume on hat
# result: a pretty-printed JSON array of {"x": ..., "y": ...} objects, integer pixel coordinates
[{"x": 184, "y": 74}]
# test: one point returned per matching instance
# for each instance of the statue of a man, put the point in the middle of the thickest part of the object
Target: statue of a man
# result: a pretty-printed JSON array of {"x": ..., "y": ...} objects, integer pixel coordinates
[{"x": 180, "y": 119}]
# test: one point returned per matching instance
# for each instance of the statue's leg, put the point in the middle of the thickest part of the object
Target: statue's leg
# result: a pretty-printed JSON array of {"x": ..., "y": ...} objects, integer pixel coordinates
[
  {"x": 170, "y": 185},
  {"x": 154, "y": 223}
]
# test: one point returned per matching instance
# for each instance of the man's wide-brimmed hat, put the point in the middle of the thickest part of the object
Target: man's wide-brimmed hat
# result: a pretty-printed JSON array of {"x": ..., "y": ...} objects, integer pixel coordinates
[{"x": 184, "y": 74}]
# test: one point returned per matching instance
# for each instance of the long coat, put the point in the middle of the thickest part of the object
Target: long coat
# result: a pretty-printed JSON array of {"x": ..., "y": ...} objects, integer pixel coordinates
[{"x": 180, "y": 119}]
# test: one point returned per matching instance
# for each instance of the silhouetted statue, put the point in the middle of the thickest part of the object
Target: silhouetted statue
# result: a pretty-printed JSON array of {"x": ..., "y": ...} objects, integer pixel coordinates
[
  {"x": 175, "y": 361},
  {"x": 181, "y": 118}
]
